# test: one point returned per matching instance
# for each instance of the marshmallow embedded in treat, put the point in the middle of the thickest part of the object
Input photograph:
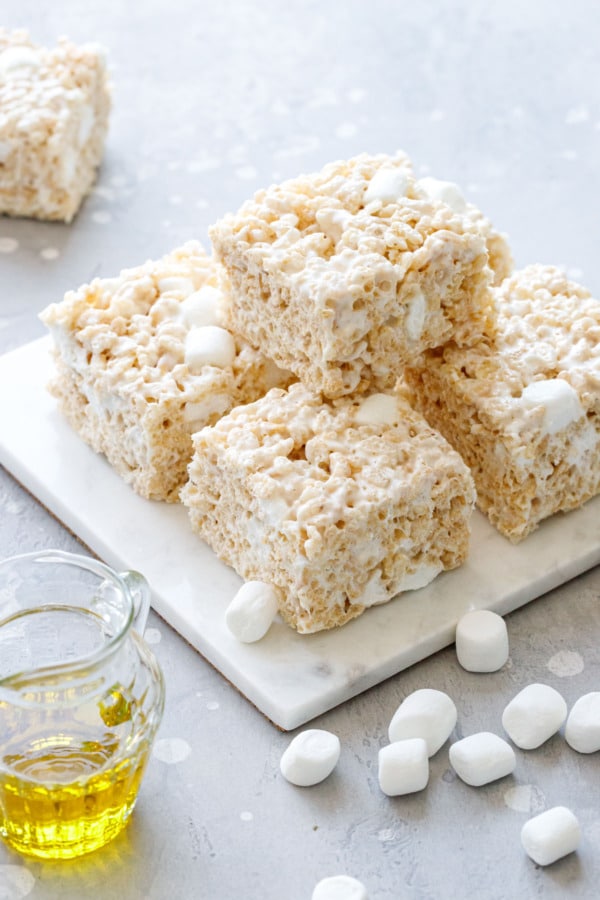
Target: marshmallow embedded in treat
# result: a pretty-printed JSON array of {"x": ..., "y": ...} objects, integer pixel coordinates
[
  {"x": 310, "y": 758},
  {"x": 388, "y": 185},
  {"x": 559, "y": 400},
  {"x": 209, "y": 345},
  {"x": 339, "y": 887},
  {"x": 481, "y": 758},
  {"x": 426, "y": 713},
  {"x": 481, "y": 641},
  {"x": 551, "y": 835},
  {"x": 252, "y": 611},
  {"x": 203, "y": 307},
  {"x": 582, "y": 731},
  {"x": 444, "y": 192},
  {"x": 403, "y": 767},
  {"x": 378, "y": 409},
  {"x": 534, "y": 715}
]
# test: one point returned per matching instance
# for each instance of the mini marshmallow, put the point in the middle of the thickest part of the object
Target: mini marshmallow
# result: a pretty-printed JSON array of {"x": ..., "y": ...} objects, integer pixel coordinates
[
  {"x": 209, "y": 345},
  {"x": 481, "y": 758},
  {"x": 582, "y": 731},
  {"x": 203, "y": 307},
  {"x": 339, "y": 887},
  {"x": 481, "y": 641},
  {"x": 551, "y": 835},
  {"x": 387, "y": 185},
  {"x": 534, "y": 715},
  {"x": 251, "y": 612},
  {"x": 559, "y": 400},
  {"x": 426, "y": 713},
  {"x": 378, "y": 409},
  {"x": 403, "y": 767},
  {"x": 333, "y": 222},
  {"x": 444, "y": 192},
  {"x": 414, "y": 319},
  {"x": 175, "y": 284},
  {"x": 310, "y": 757}
]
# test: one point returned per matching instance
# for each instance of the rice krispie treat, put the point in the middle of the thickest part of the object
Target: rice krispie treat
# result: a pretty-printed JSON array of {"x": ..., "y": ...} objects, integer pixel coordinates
[
  {"x": 54, "y": 106},
  {"x": 344, "y": 275},
  {"x": 340, "y": 505},
  {"x": 142, "y": 362},
  {"x": 523, "y": 408}
]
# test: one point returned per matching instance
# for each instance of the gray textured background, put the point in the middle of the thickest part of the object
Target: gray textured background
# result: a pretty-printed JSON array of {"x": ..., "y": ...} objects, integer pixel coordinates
[{"x": 212, "y": 101}]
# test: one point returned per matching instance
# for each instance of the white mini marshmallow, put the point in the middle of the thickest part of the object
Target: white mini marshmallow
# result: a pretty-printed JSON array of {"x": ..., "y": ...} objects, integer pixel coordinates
[
  {"x": 387, "y": 185},
  {"x": 444, "y": 192},
  {"x": 560, "y": 401},
  {"x": 209, "y": 345},
  {"x": 481, "y": 758},
  {"x": 582, "y": 731},
  {"x": 310, "y": 758},
  {"x": 403, "y": 767},
  {"x": 414, "y": 319},
  {"x": 16, "y": 61},
  {"x": 339, "y": 887},
  {"x": 176, "y": 284},
  {"x": 333, "y": 222},
  {"x": 534, "y": 715},
  {"x": 203, "y": 307},
  {"x": 426, "y": 713},
  {"x": 551, "y": 835},
  {"x": 251, "y": 612},
  {"x": 481, "y": 641},
  {"x": 378, "y": 409}
]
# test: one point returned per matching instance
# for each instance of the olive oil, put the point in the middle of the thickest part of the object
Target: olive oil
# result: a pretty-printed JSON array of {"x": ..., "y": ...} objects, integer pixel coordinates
[{"x": 68, "y": 793}]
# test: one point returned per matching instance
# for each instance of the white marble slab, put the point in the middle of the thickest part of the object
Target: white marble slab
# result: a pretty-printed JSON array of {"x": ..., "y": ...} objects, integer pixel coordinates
[{"x": 290, "y": 678}]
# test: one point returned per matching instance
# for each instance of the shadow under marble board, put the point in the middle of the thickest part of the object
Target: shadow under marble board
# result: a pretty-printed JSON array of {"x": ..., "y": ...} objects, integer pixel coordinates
[{"x": 289, "y": 677}]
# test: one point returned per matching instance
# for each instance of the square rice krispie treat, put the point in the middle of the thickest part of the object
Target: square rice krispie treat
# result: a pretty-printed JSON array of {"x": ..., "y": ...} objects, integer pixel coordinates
[
  {"x": 340, "y": 505},
  {"x": 344, "y": 275},
  {"x": 523, "y": 408},
  {"x": 54, "y": 106},
  {"x": 142, "y": 362}
]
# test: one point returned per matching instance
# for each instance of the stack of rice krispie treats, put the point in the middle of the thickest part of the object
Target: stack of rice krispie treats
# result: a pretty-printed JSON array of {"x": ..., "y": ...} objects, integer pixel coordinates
[
  {"x": 336, "y": 491},
  {"x": 331, "y": 392}
]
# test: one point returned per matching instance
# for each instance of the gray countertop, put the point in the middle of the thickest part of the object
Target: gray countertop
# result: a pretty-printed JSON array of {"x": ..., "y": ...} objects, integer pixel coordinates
[{"x": 212, "y": 101}]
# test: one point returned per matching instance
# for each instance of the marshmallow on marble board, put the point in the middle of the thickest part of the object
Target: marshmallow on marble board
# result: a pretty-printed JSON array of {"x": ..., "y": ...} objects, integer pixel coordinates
[
  {"x": 252, "y": 611},
  {"x": 551, "y": 835},
  {"x": 403, "y": 767},
  {"x": 339, "y": 887},
  {"x": 426, "y": 713},
  {"x": 310, "y": 757},
  {"x": 209, "y": 345},
  {"x": 481, "y": 758},
  {"x": 534, "y": 715},
  {"x": 582, "y": 731},
  {"x": 481, "y": 641}
]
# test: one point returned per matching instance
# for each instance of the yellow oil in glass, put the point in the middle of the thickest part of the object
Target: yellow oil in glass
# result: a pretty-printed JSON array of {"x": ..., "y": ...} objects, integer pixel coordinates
[{"x": 68, "y": 793}]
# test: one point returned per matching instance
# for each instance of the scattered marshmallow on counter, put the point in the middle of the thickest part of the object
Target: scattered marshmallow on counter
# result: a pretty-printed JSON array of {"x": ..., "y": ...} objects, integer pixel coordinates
[
  {"x": 251, "y": 612},
  {"x": 339, "y": 887},
  {"x": 209, "y": 345},
  {"x": 481, "y": 641},
  {"x": 310, "y": 757},
  {"x": 426, "y": 713},
  {"x": 534, "y": 715},
  {"x": 582, "y": 731},
  {"x": 481, "y": 758},
  {"x": 403, "y": 767},
  {"x": 551, "y": 835}
]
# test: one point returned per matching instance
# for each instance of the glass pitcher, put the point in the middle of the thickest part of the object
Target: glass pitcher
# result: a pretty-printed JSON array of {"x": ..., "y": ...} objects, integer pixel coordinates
[{"x": 81, "y": 698}]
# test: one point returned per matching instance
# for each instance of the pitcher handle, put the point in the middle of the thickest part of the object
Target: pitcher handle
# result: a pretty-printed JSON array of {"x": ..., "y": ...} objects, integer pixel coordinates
[{"x": 140, "y": 594}]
